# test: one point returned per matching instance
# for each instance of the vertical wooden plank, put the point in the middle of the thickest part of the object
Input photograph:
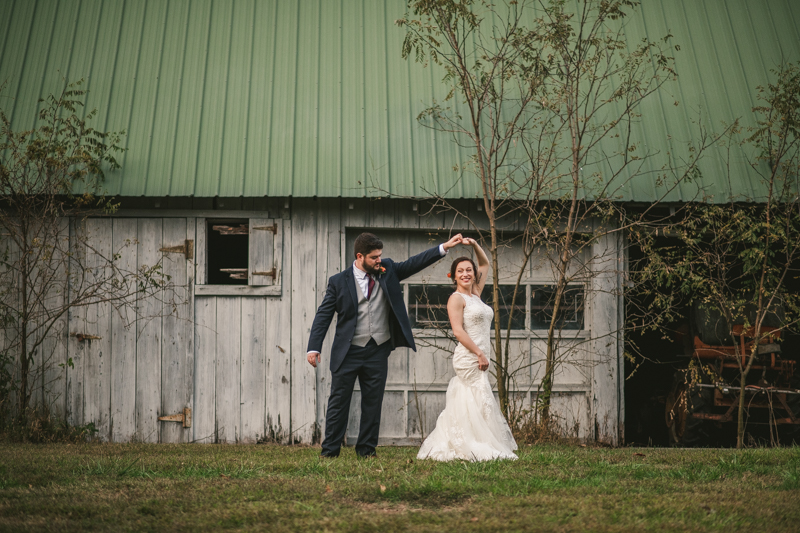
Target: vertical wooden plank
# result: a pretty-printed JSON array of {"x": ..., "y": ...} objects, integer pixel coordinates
[
  {"x": 253, "y": 386},
  {"x": 602, "y": 301},
  {"x": 205, "y": 349},
  {"x": 201, "y": 251},
  {"x": 8, "y": 279},
  {"x": 355, "y": 212},
  {"x": 303, "y": 295},
  {"x": 228, "y": 369},
  {"x": 279, "y": 349},
  {"x": 382, "y": 213},
  {"x": 148, "y": 338},
  {"x": 123, "y": 339},
  {"x": 188, "y": 325},
  {"x": 431, "y": 217},
  {"x": 37, "y": 301},
  {"x": 477, "y": 214},
  {"x": 97, "y": 352},
  {"x": 176, "y": 334},
  {"x": 329, "y": 260},
  {"x": 405, "y": 216},
  {"x": 76, "y": 352},
  {"x": 261, "y": 243},
  {"x": 54, "y": 349},
  {"x": 277, "y": 251}
]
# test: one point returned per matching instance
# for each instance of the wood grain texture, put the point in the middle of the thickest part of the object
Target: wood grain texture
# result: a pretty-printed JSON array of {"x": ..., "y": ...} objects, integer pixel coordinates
[
  {"x": 176, "y": 363},
  {"x": 328, "y": 261},
  {"x": 204, "y": 411},
  {"x": 76, "y": 351},
  {"x": 278, "y": 366},
  {"x": 201, "y": 251},
  {"x": 189, "y": 326},
  {"x": 253, "y": 386},
  {"x": 304, "y": 304},
  {"x": 54, "y": 348},
  {"x": 148, "y": 338},
  {"x": 97, "y": 352},
  {"x": 603, "y": 302},
  {"x": 261, "y": 252},
  {"x": 123, "y": 340},
  {"x": 228, "y": 369}
]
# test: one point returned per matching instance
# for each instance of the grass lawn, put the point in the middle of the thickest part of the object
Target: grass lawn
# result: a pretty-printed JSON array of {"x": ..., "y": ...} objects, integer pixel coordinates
[{"x": 551, "y": 488}]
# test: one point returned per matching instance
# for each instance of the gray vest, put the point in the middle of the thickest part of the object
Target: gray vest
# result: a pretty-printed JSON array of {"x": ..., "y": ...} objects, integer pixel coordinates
[{"x": 373, "y": 317}]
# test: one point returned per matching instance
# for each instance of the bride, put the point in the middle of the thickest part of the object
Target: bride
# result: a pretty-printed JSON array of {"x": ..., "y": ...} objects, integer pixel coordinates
[{"x": 471, "y": 427}]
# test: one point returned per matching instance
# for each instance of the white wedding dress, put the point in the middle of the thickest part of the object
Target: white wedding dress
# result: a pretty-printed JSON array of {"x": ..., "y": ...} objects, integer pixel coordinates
[{"x": 471, "y": 427}]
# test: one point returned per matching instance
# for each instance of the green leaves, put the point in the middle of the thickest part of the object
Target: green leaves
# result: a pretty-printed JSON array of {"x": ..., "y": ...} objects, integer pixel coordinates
[
  {"x": 62, "y": 152},
  {"x": 736, "y": 255}
]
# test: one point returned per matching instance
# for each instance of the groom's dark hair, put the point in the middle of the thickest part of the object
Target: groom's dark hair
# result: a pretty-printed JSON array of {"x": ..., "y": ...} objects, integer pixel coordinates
[{"x": 365, "y": 243}]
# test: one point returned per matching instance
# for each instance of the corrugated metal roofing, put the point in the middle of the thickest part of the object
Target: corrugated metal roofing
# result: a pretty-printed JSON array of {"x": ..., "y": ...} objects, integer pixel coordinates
[{"x": 311, "y": 97}]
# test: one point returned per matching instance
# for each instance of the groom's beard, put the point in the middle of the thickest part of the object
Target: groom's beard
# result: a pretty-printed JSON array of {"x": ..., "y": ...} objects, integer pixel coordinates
[{"x": 376, "y": 269}]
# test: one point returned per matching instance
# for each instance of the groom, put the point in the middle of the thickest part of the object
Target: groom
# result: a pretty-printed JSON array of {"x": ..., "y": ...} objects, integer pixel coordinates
[{"x": 372, "y": 321}]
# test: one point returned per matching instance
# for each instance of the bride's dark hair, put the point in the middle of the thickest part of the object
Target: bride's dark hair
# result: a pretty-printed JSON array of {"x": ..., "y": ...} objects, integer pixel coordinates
[{"x": 455, "y": 265}]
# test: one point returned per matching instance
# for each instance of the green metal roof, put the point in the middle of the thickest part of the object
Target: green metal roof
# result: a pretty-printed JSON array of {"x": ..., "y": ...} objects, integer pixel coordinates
[{"x": 311, "y": 97}]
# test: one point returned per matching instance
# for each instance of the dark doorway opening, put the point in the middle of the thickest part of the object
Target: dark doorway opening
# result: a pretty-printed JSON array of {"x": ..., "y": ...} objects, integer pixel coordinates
[{"x": 656, "y": 368}]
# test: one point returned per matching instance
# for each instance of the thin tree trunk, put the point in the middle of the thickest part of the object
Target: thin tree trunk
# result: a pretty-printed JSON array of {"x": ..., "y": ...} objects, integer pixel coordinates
[
  {"x": 500, "y": 361},
  {"x": 550, "y": 354},
  {"x": 740, "y": 413},
  {"x": 23, "y": 342}
]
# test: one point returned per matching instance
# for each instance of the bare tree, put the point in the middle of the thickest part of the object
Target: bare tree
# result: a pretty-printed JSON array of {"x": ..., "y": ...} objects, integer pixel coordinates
[
  {"x": 51, "y": 182},
  {"x": 546, "y": 97}
]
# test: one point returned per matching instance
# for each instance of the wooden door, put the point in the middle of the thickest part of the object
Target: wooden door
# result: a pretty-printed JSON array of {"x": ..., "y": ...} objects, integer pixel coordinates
[{"x": 177, "y": 331}]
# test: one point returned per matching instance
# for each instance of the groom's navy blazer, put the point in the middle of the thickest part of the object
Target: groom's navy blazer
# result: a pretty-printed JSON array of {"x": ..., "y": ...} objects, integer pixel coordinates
[{"x": 342, "y": 297}]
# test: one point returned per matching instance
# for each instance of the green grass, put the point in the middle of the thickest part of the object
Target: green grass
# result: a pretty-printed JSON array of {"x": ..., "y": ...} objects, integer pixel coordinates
[{"x": 551, "y": 488}]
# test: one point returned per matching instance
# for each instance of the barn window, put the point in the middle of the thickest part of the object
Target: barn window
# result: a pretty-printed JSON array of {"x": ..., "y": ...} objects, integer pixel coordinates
[
  {"x": 240, "y": 256},
  {"x": 506, "y": 293},
  {"x": 427, "y": 306},
  {"x": 570, "y": 312},
  {"x": 227, "y": 245}
]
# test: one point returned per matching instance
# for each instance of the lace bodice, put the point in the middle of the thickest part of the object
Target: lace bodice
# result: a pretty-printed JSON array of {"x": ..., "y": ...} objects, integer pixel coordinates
[{"x": 477, "y": 321}]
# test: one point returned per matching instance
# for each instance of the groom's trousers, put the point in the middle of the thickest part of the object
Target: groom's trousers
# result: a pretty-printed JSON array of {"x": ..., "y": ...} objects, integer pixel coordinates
[{"x": 370, "y": 365}]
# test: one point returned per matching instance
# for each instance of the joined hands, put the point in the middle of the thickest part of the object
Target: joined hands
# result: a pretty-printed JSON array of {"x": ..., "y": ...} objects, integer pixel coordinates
[{"x": 459, "y": 239}]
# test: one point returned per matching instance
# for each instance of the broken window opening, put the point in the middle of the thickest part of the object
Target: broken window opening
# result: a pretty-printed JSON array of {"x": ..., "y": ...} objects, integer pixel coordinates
[{"x": 227, "y": 251}]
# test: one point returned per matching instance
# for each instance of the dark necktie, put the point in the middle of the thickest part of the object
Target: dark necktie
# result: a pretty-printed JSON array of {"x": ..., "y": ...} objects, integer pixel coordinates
[{"x": 370, "y": 284}]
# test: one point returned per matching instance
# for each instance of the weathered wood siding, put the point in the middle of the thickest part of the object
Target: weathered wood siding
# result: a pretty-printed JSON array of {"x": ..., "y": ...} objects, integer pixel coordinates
[{"x": 237, "y": 357}]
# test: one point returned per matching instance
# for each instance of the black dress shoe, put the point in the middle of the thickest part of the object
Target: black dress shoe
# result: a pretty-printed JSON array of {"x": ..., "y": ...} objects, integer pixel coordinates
[{"x": 324, "y": 456}]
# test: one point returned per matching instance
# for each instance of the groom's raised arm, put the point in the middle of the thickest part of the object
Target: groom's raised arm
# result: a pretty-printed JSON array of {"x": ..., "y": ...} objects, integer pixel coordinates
[{"x": 412, "y": 265}]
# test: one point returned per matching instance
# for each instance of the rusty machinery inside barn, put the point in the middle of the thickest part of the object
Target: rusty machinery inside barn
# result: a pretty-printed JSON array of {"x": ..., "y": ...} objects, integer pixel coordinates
[
  {"x": 705, "y": 395},
  {"x": 684, "y": 390}
]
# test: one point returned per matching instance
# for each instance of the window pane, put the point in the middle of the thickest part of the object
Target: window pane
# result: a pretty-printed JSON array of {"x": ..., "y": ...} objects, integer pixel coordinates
[
  {"x": 427, "y": 305},
  {"x": 570, "y": 313},
  {"x": 506, "y": 293}
]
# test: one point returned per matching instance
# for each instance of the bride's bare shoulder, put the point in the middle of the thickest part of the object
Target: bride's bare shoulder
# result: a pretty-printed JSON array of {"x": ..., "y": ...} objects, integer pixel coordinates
[{"x": 457, "y": 298}]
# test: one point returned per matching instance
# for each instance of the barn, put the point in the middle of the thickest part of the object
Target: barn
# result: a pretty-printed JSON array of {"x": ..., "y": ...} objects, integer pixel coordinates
[{"x": 262, "y": 138}]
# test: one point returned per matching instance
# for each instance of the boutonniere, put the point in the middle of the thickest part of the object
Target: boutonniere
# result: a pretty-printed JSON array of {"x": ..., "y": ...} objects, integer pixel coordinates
[{"x": 381, "y": 270}]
